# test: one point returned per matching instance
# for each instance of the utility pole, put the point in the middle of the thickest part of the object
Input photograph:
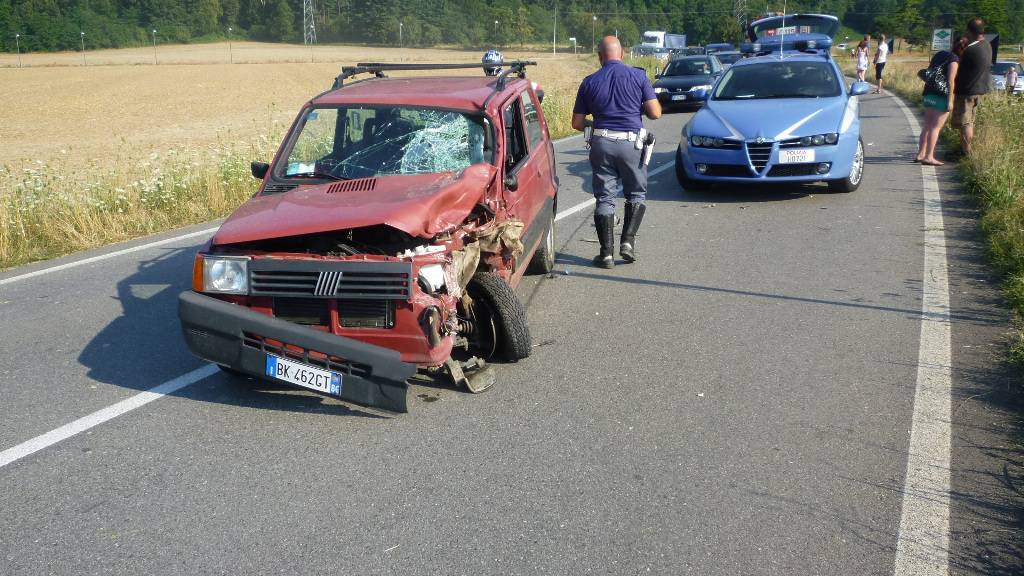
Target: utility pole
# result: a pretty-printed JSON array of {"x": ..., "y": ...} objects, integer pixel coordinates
[
  {"x": 593, "y": 34},
  {"x": 308, "y": 27},
  {"x": 82, "y": 36},
  {"x": 739, "y": 12},
  {"x": 495, "y": 32},
  {"x": 399, "y": 33},
  {"x": 231, "y": 52},
  {"x": 17, "y": 46},
  {"x": 155, "y": 62},
  {"x": 554, "y": 33}
]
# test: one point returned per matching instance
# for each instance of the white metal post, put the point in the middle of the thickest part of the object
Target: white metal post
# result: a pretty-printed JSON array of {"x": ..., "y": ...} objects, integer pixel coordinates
[
  {"x": 231, "y": 52},
  {"x": 155, "y": 62},
  {"x": 593, "y": 34},
  {"x": 554, "y": 33},
  {"x": 17, "y": 45},
  {"x": 399, "y": 34},
  {"x": 82, "y": 36}
]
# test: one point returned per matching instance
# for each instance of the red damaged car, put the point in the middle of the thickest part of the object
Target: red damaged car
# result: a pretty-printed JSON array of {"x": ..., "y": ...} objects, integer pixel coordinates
[{"x": 385, "y": 239}]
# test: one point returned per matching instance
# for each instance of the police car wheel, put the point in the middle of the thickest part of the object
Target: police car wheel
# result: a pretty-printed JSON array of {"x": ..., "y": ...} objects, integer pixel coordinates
[
  {"x": 496, "y": 304},
  {"x": 543, "y": 261},
  {"x": 685, "y": 181},
  {"x": 851, "y": 182}
]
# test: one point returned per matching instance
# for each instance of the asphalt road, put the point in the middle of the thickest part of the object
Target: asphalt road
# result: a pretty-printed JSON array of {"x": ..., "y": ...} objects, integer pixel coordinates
[{"x": 739, "y": 401}]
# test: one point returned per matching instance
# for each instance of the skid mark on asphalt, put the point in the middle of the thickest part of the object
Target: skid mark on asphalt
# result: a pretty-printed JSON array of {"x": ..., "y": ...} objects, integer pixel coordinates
[{"x": 922, "y": 547}]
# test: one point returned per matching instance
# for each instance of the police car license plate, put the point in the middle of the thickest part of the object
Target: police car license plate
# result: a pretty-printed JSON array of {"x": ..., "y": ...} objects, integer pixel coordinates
[
  {"x": 678, "y": 97},
  {"x": 304, "y": 375},
  {"x": 796, "y": 156}
]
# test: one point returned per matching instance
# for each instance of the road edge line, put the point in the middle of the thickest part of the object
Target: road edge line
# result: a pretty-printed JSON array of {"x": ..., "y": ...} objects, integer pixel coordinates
[
  {"x": 107, "y": 256},
  {"x": 103, "y": 415},
  {"x": 922, "y": 543}
]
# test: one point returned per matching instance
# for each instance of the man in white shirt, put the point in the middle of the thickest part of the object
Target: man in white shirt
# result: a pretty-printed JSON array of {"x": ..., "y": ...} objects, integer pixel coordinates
[{"x": 881, "y": 55}]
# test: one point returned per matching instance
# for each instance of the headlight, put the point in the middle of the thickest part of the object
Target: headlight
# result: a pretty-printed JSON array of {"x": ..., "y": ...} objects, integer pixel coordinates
[
  {"x": 226, "y": 274},
  {"x": 819, "y": 139},
  {"x": 659, "y": 90},
  {"x": 431, "y": 278},
  {"x": 703, "y": 87},
  {"x": 707, "y": 141}
]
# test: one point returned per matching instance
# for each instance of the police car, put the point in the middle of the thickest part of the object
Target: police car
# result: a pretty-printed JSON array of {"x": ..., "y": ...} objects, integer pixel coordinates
[{"x": 784, "y": 114}]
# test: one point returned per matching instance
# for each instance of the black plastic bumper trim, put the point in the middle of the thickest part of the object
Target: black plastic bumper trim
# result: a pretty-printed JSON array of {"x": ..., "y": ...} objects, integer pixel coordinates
[{"x": 214, "y": 330}]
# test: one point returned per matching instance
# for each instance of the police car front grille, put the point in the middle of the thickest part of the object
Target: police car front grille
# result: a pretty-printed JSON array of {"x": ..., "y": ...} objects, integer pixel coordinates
[
  {"x": 759, "y": 154},
  {"x": 784, "y": 170}
]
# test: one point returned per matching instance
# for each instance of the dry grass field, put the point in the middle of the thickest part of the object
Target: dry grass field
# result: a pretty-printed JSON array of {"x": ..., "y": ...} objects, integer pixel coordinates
[{"x": 120, "y": 147}]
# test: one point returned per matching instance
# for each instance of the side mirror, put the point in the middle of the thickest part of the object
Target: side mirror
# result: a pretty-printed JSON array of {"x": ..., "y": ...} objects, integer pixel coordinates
[
  {"x": 858, "y": 88},
  {"x": 259, "y": 170},
  {"x": 511, "y": 183}
]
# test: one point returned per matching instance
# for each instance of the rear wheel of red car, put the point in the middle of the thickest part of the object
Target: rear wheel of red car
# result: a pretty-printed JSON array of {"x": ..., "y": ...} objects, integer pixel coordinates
[
  {"x": 500, "y": 329},
  {"x": 543, "y": 261}
]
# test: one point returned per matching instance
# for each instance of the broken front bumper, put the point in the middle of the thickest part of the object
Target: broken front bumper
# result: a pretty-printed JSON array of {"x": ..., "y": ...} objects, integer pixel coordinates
[{"x": 239, "y": 338}]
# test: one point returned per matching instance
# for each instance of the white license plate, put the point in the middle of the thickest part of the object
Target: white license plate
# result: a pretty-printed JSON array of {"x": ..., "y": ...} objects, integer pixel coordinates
[
  {"x": 304, "y": 375},
  {"x": 678, "y": 97},
  {"x": 796, "y": 156}
]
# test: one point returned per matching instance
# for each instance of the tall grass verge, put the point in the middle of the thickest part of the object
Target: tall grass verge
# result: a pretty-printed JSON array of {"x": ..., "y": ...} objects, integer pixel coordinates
[
  {"x": 992, "y": 174},
  {"x": 47, "y": 210}
]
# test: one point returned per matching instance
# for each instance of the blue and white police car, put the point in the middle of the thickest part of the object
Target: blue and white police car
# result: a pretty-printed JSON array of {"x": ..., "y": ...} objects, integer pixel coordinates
[{"x": 783, "y": 115}]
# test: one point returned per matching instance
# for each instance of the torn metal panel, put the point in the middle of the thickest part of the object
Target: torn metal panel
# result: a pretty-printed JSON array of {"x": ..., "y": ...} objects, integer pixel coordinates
[{"x": 421, "y": 205}]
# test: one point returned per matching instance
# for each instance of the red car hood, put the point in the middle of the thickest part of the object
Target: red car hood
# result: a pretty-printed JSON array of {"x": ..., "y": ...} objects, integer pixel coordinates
[{"x": 420, "y": 205}]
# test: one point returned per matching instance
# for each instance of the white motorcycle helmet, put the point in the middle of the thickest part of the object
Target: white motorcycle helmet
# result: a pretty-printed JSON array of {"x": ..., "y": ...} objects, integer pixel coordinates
[{"x": 492, "y": 57}]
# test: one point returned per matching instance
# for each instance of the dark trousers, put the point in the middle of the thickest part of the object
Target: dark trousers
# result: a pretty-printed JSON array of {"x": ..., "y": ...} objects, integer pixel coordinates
[{"x": 614, "y": 162}]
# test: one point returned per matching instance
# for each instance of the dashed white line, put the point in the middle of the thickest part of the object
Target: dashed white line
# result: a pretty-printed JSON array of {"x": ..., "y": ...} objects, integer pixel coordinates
[
  {"x": 100, "y": 416},
  {"x": 922, "y": 546}
]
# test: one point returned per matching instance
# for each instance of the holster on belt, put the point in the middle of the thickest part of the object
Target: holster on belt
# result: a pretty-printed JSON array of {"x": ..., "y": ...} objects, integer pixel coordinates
[{"x": 647, "y": 139}]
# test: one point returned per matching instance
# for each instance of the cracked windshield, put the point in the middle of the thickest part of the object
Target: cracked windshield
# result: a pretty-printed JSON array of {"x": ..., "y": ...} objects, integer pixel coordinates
[{"x": 358, "y": 142}]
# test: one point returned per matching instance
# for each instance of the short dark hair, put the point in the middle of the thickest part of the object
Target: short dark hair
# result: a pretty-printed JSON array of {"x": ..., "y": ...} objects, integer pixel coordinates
[{"x": 976, "y": 26}]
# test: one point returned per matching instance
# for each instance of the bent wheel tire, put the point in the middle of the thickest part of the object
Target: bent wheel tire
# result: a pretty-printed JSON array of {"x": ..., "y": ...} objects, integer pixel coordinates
[
  {"x": 543, "y": 260},
  {"x": 685, "y": 181},
  {"x": 851, "y": 182},
  {"x": 496, "y": 303}
]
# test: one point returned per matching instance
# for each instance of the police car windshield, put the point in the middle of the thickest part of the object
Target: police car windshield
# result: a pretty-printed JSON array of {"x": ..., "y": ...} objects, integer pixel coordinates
[
  {"x": 363, "y": 141},
  {"x": 795, "y": 79},
  {"x": 695, "y": 67}
]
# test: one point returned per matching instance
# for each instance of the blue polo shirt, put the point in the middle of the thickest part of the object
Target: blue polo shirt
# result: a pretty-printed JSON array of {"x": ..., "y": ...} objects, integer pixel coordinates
[{"x": 614, "y": 96}]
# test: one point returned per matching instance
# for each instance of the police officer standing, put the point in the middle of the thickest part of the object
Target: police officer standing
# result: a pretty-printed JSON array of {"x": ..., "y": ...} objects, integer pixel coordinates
[{"x": 616, "y": 96}]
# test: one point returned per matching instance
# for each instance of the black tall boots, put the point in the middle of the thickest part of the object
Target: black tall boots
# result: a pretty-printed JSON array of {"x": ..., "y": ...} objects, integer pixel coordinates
[
  {"x": 605, "y": 225},
  {"x": 634, "y": 216}
]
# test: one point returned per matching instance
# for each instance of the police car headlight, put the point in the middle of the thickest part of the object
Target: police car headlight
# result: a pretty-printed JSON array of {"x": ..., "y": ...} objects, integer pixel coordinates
[
  {"x": 805, "y": 141},
  {"x": 431, "y": 278},
  {"x": 818, "y": 139},
  {"x": 703, "y": 141},
  {"x": 831, "y": 138},
  {"x": 659, "y": 90},
  {"x": 226, "y": 274}
]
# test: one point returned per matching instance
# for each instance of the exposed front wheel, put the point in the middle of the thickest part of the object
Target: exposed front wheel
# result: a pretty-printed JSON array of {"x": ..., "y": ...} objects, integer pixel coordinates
[
  {"x": 851, "y": 182},
  {"x": 500, "y": 329},
  {"x": 543, "y": 260}
]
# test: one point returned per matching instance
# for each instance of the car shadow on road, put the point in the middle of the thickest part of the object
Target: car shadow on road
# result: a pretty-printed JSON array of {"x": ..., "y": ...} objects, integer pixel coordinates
[{"x": 143, "y": 347}]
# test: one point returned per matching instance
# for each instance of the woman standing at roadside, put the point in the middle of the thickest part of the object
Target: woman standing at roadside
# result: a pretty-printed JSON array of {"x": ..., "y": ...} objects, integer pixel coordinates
[
  {"x": 937, "y": 104},
  {"x": 862, "y": 59}
]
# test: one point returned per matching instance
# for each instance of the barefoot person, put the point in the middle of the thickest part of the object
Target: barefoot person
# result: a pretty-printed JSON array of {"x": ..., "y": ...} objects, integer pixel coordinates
[
  {"x": 938, "y": 103},
  {"x": 616, "y": 96}
]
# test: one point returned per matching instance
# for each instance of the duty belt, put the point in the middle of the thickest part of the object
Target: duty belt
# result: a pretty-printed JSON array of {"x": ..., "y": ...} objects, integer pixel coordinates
[{"x": 613, "y": 135}]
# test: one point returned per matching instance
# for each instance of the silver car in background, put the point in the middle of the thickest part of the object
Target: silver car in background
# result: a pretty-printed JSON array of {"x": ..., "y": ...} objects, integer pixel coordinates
[{"x": 999, "y": 71}]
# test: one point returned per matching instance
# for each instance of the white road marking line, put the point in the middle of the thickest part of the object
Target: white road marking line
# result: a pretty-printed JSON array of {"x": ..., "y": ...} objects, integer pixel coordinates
[
  {"x": 588, "y": 203},
  {"x": 107, "y": 256},
  {"x": 100, "y": 416},
  {"x": 922, "y": 546}
]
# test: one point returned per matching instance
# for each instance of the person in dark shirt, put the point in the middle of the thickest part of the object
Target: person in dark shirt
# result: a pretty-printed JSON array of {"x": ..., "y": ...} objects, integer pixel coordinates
[
  {"x": 973, "y": 79},
  {"x": 616, "y": 96},
  {"x": 937, "y": 104}
]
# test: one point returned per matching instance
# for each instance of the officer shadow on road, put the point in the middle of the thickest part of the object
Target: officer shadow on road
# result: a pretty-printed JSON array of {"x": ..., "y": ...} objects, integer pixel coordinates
[{"x": 143, "y": 347}]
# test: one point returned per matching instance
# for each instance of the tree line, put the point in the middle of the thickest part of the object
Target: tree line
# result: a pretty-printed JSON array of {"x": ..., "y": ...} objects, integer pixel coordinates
[{"x": 47, "y": 25}]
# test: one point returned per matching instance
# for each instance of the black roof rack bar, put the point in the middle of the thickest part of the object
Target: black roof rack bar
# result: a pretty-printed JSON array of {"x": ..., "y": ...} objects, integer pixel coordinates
[{"x": 379, "y": 68}]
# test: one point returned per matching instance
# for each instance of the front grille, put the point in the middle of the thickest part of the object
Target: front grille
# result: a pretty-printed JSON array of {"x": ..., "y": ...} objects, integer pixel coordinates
[
  {"x": 729, "y": 170},
  {"x": 306, "y": 311},
  {"x": 306, "y": 356},
  {"x": 357, "y": 280},
  {"x": 759, "y": 154},
  {"x": 783, "y": 170},
  {"x": 366, "y": 313}
]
